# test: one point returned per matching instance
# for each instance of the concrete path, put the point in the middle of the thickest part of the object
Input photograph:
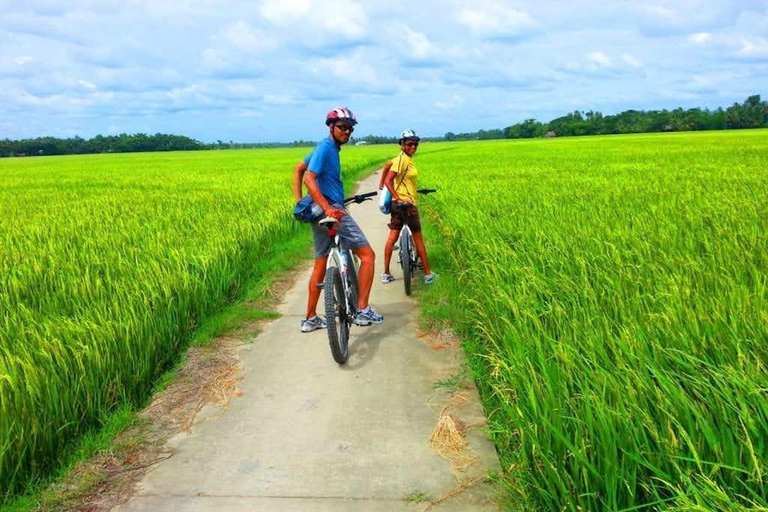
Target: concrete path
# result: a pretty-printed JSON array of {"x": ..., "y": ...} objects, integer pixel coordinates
[{"x": 308, "y": 435}]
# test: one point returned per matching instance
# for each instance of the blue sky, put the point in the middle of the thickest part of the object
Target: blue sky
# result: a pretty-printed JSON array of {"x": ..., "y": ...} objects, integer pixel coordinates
[{"x": 269, "y": 70}]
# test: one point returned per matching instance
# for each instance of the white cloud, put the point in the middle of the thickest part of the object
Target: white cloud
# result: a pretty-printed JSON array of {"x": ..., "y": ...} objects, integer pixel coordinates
[
  {"x": 278, "y": 99},
  {"x": 87, "y": 85},
  {"x": 493, "y": 20},
  {"x": 20, "y": 61},
  {"x": 237, "y": 50},
  {"x": 416, "y": 43},
  {"x": 453, "y": 102},
  {"x": 658, "y": 11},
  {"x": 282, "y": 12},
  {"x": 354, "y": 69},
  {"x": 245, "y": 38},
  {"x": 599, "y": 58},
  {"x": 631, "y": 61},
  {"x": 343, "y": 18},
  {"x": 757, "y": 47},
  {"x": 700, "y": 37}
]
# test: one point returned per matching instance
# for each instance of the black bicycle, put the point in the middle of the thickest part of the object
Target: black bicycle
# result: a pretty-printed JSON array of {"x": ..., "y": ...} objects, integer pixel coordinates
[
  {"x": 407, "y": 255},
  {"x": 340, "y": 287}
]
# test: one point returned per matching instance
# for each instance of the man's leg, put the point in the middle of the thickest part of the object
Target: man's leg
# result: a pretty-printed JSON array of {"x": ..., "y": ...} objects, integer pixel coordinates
[
  {"x": 318, "y": 275},
  {"x": 365, "y": 275}
]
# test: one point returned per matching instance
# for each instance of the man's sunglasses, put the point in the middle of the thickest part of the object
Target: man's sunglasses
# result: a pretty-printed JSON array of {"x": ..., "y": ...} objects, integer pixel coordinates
[
  {"x": 344, "y": 128},
  {"x": 412, "y": 144}
]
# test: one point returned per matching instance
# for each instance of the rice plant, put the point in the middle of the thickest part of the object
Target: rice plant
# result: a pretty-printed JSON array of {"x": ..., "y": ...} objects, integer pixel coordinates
[{"x": 612, "y": 292}]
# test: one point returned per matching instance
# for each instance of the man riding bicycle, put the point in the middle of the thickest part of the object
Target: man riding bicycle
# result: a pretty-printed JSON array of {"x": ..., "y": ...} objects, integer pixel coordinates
[{"x": 323, "y": 181}]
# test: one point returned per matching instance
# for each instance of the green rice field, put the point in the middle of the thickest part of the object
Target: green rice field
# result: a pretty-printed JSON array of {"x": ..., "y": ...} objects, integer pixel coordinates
[
  {"x": 611, "y": 293},
  {"x": 107, "y": 264}
]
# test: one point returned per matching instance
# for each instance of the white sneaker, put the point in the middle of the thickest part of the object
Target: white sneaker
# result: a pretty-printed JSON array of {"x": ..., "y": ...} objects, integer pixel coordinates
[
  {"x": 313, "y": 324},
  {"x": 387, "y": 278},
  {"x": 368, "y": 317}
]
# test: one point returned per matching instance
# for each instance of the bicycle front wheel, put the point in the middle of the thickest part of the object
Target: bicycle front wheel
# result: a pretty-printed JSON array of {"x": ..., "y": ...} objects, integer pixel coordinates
[
  {"x": 352, "y": 275},
  {"x": 405, "y": 260},
  {"x": 336, "y": 315}
]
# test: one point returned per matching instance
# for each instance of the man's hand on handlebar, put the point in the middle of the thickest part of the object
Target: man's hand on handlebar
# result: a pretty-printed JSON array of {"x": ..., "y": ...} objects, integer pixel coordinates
[{"x": 335, "y": 213}]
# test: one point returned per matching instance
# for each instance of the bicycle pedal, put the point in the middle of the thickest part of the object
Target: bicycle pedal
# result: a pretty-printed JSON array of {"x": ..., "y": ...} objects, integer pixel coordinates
[{"x": 320, "y": 285}]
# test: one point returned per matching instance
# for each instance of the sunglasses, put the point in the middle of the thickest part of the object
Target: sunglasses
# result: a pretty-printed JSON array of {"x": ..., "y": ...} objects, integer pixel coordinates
[
  {"x": 344, "y": 128},
  {"x": 412, "y": 144}
]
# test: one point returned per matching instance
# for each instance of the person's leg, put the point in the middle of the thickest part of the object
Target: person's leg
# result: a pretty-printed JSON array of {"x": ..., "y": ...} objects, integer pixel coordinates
[
  {"x": 365, "y": 275},
  {"x": 414, "y": 222},
  {"x": 391, "y": 239},
  {"x": 421, "y": 250},
  {"x": 322, "y": 243},
  {"x": 318, "y": 275}
]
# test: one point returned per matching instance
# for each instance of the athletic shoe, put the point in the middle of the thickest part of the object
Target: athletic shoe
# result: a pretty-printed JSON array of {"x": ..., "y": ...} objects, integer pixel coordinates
[
  {"x": 430, "y": 278},
  {"x": 368, "y": 316},
  {"x": 313, "y": 324},
  {"x": 387, "y": 278}
]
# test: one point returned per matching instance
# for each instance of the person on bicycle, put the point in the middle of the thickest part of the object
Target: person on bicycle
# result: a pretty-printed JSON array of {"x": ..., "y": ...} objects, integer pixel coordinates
[
  {"x": 322, "y": 177},
  {"x": 399, "y": 176}
]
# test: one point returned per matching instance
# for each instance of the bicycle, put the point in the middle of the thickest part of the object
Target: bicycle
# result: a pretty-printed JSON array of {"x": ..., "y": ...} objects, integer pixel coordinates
[
  {"x": 407, "y": 255},
  {"x": 340, "y": 287}
]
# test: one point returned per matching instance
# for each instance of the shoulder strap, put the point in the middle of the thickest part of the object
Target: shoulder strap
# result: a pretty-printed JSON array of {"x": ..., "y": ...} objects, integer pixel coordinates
[{"x": 400, "y": 159}]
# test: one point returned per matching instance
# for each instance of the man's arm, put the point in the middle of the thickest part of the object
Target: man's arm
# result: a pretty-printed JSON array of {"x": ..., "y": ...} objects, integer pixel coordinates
[
  {"x": 298, "y": 176},
  {"x": 317, "y": 196},
  {"x": 387, "y": 167}
]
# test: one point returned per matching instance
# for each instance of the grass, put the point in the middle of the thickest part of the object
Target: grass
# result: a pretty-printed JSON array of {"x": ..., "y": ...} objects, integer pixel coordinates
[
  {"x": 417, "y": 497},
  {"x": 611, "y": 295},
  {"x": 454, "y": 383}
]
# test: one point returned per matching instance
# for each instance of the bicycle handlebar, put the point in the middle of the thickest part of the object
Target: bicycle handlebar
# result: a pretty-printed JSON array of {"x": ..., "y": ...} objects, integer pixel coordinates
[
  {"x": 359, "y": 198},
  {"x": 426, "y": 190}
]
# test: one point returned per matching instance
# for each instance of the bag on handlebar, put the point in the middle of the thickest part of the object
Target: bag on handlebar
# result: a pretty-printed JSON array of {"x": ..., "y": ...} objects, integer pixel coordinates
[{"x": 306, "y": 210}]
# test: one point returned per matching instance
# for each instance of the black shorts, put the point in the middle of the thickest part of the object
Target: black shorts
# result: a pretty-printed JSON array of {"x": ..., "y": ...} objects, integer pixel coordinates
[{"x": 405, "y": 216}]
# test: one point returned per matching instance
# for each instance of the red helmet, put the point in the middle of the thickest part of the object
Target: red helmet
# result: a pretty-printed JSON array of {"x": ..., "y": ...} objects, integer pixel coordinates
[{"x": 340, "y": 114}]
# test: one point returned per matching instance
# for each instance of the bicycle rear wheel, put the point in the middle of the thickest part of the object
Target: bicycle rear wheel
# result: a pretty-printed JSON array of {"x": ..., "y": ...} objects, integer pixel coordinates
[
  {"x": 405, "y": 259},
  {"x": 336, "y": 315}
]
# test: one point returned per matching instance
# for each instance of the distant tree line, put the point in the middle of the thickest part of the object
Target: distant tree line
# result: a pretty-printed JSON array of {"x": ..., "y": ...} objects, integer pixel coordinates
[
  {"x": 122, "y": 143},
  {"x": 250, "y": 145},
  {"x": 753, "y": 113}
]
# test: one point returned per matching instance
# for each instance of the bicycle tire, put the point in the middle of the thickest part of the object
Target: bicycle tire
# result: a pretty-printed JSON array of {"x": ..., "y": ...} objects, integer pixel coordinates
[
  {"x": 405, "y": 260},
  {"x": 336, "y": 315}
]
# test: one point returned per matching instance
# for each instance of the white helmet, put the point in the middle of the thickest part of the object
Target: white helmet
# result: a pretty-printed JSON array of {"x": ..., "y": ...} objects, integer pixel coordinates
[{"x": 409, "y": 135}]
